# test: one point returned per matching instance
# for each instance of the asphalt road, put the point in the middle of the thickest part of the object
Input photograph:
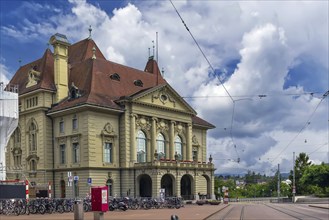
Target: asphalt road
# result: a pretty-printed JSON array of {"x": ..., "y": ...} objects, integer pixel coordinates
[{"x": 239, "y": 211}]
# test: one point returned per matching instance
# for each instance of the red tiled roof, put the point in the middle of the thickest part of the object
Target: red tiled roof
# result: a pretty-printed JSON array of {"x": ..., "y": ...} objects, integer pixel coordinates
[
  {"x": 45, "y": 66},
  {"x": 199, "y": 121},
  {"x": 93, "y": 78}
]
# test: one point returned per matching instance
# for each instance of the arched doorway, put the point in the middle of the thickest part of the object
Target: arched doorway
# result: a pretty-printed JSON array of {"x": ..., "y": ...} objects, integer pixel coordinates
[
  {"x": 167, "y": 184},
  {"x": 109, "y": 184},
  {"x": 208, "y": 186},
  {"x": 63, "y": 193},
  {"x": 145, "y": 186},
  {"x": 186, "y": 187}
]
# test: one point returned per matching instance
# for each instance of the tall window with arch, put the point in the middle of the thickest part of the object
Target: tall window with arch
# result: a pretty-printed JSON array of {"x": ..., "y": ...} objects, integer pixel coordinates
[
  {"x": 161, "y": 146},
  {"x": 17, "y": 151},
  {"x": 32, "y": 137},
  {"x": 75, "y": 153},
  {"x": 108, "y": 152},
  {"x": 178, "y": 147},
  {"x": 33, "y": 165},
  {"x": 141, "y": 147}
]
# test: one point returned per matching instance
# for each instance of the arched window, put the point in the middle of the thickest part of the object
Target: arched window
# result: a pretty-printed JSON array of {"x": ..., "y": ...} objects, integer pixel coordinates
[
  {"x": 33, "y": 136},
  {"x": 17, "y": 151},
  {"x": 33, "y": 165},
  {"x": 178, "y": 147},
  {"x": 17, "y": 137},
  {"x": 141, "y": 147},
  {"x": 161, "y": 146}
]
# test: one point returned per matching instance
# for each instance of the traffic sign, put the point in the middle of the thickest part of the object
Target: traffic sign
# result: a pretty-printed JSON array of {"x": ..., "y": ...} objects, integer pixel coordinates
[
  {"x": 76, "y": 178},
  {"x": 89, "y": 181}
]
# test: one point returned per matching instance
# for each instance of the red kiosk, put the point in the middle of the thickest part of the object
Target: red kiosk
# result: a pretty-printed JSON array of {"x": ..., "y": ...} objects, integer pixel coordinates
[{"x": 99, "y": 201}]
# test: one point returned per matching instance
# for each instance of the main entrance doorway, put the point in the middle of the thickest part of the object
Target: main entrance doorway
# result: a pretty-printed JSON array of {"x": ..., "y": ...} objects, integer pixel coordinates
[
  {"x": 167, "y": 184},
  {"x": 186, "y": 187},
  {"x": 145, "y": 186}
]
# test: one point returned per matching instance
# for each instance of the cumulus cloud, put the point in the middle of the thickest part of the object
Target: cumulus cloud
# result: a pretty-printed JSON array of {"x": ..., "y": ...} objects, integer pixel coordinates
[
  {"x": 4, "y": 73},
  {"x": 269, "y": 44}
]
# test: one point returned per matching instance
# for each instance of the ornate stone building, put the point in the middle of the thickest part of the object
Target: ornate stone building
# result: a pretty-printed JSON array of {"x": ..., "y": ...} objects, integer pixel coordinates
[{"x": 103, "y": 123}]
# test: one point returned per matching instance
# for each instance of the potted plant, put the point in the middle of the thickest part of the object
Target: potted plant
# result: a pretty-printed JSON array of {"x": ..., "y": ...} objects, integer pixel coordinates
[{"x": 213, "y": 202}]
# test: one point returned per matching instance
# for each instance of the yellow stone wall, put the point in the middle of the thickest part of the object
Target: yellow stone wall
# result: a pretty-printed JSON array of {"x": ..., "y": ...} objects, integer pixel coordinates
[{"x": 98, "y": 124}]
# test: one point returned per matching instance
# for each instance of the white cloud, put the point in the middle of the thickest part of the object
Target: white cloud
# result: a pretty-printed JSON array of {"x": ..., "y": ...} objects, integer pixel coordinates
[
  {"x": 4, "y": 74},
  {"x": 266, "y": 38}
]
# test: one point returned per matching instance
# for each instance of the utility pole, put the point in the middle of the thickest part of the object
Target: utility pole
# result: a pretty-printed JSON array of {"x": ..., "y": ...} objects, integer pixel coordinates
[
  {"x": 293, "y": 179},
  {"x": 278, "y": 180}
]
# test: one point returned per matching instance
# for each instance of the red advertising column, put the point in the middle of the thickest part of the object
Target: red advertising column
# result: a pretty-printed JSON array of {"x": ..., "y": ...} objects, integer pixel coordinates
[
  {"x": 226, "y": 196},
  {"x": 27, "y": 190}
]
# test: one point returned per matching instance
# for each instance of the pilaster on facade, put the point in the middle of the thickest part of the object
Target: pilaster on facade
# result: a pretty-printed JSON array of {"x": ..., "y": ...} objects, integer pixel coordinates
[
  {"x": 154, "y": 137},
  {"x": 133, "y": 151},
  {"x": 189, "y": 142},
  {"x": 171, "y": 140}
]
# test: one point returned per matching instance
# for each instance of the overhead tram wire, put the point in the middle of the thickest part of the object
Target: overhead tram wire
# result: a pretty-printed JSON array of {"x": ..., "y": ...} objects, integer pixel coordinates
[
  {"x": 253, "y": 95},
  {"x": 201, "y": 50},
  {"x": 205, "y": 57},
  {"x": 305, "y": 125}
]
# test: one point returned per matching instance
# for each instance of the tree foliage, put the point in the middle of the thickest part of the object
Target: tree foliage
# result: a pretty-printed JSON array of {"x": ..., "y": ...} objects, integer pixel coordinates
[
  {"x": 301, "y": 164},
  {"x": 316, "y": 178}
]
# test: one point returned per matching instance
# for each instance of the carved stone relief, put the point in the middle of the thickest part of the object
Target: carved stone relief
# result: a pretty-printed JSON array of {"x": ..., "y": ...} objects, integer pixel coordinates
[
  {"x": 179, "y": 128},
  {"x": 33, "y": 77},
  {"x": 143, "y": 123},
  {"x": 108, "y": 129},
  {"x": 162, "y": 126},
  {"x": 164, "y": 97},
  {"x": 195, "y": 140},
  {"x": 75, "y": 139}
]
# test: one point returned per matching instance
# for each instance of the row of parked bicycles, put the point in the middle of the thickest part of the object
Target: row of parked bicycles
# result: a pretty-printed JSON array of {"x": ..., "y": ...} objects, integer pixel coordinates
[
  {"x": 126, "y": 203},
  {"x": 48, "y": 206}
]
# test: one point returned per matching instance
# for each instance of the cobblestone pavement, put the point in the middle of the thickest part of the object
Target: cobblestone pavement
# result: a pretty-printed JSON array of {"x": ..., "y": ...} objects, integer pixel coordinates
[{"x": 189, "y": 212}]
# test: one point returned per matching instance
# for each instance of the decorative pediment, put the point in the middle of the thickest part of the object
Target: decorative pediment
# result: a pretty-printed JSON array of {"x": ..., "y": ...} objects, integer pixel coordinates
[
  {"x": 17, "y": 151},
  {"x": 32, "y": 156},
  {"x": 33, "y": 77},
  {"x": 108, "y": 129},
  {"x": 75, "y": 139},
  {"x": 163, "y": 97}
]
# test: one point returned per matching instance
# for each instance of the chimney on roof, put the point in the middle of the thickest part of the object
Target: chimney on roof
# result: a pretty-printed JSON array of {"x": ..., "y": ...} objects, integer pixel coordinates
[{"x": 61, "y": 45}]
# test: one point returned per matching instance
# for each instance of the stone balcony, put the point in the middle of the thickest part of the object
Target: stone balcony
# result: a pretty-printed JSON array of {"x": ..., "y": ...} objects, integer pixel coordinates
[{"x": 170, "y": 164}]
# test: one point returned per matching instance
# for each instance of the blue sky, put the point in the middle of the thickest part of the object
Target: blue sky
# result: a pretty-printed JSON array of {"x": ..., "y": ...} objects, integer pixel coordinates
[{"x": 270, "y": 55}]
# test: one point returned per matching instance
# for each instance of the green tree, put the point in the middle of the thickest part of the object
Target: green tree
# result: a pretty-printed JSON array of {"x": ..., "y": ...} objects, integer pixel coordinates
[
  {"x": 316, "y": 178},
  {"x": 301, "y": 164}
]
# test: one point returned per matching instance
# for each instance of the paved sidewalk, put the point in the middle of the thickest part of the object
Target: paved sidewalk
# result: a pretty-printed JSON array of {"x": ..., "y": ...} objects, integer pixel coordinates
[
  {"x": 189, "y": 212},
  {"x": 322, "y": 206}
]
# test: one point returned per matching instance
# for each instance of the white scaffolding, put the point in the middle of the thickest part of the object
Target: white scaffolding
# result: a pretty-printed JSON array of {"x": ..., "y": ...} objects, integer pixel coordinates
[{"x": 8, "y": 120}]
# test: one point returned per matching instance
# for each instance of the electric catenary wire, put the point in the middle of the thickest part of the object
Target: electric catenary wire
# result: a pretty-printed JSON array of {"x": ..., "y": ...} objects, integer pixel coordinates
[
  {"x": 305, "y": 125},
  {"x": 205, "y": 57},
  {"x": 201, "y": 50}
]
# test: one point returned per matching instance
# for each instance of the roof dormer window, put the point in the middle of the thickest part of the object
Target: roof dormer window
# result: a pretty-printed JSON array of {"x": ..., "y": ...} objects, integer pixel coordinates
[
  {"x": 138, "y": 82},
  {"x": 74, "y": 92},
  {"x": 115, "y": 76}
]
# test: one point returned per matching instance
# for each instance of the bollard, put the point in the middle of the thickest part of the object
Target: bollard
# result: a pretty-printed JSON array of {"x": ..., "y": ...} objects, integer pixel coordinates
[
  {"x": 78, "y": 210},
  {"x": 98, "y": 215},
  {"x": 174, "y": 217}
]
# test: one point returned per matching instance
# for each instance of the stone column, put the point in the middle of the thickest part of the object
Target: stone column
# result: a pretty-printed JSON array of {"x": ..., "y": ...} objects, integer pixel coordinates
[
  {"x": 171, "y": 140},
  {"x": 189, "y": 142},
  {"x": 153, "y": 138},
  {"x": 115, "y": 146},
  {"x": 133, "y": 152}
]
